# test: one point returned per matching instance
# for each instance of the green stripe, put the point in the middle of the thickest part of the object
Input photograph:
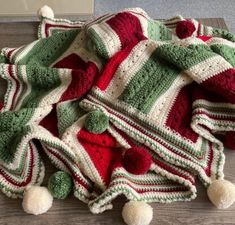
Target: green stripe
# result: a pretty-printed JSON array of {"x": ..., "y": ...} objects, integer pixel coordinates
[
  {"x": 67, "y": 114},
  {"x": 43, "y": 80},
  {"x": 3, "y": 59},
  {"x": 227, "y": 52},
  {"x": 214, "y": 122},
  {"x": 216, "y": 32},
  {"x": 98, "y": 42},
  {"x": 215, "y": 109},
  {"x": 185, "y": 58},
  {"x": 47, "y": 50},
  {"x": 149, "y": 83},
  {"x": 17, "y": 53},
  {"x": 158, "y": 31},
  {"x": 10, "y": 139},
  {"x": 161, "y": 134}
]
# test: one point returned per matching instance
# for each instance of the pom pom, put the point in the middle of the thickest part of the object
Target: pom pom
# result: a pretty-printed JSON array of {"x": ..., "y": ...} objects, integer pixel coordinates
[
  {"x": 96, "y": 122},
  {"x": 46, "y": 11},
  {"x": 221, "y": 193},
  {"x": 37, "y": 200},
  {"x": 60, "y": 184},
  {"x": 137, "y": 160},
  {"x": 229, "y": 140},
  {"x": 137, "y": 213},
  {"x": 184, "y": 29}
]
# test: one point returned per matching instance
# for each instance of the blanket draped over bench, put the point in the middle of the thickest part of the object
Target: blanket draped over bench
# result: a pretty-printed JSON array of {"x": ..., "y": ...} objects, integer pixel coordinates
[{"x": 125, "y": 104}]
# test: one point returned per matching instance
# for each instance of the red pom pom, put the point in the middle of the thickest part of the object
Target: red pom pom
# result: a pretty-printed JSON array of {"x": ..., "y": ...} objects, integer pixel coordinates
[
  {"x": 185, "y": 28},
  {"x": 137, "y": 160},
  {"x": 229, "y": 141}
]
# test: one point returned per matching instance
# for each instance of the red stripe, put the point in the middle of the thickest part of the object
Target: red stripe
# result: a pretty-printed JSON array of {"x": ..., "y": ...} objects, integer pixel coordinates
[
  {"x": 144, "y": 191},
  {"x": 204, "y": 38},
  {"x": 160, "y": 164},
  {"x": 10, "y": 71},
  {"x": 214, "y": 116},
  {"x": 112, "y": 66},
  {"x": 77, "y": 178},
  {"x": 222, "y": 84},
  {"x": 82, "y": 81},
  {"x": 29, "y": 173},
  {"x": 147, "y": 184},
  {"x": 179, "y": 117},
  {"x": 127, "y": 27},
  {"x": 83, "y": 75},
  {"x": 172, "y": 170},
  {"x": 209, "y": 164},
  {"x": 142, "y": 130},
  {"x": 198, "y": 29},
  {"x": 10, "y": 52}
]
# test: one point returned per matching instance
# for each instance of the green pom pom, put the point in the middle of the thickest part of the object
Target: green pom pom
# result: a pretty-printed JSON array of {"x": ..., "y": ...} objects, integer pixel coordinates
[
  {"x": 96, "y": 122},
  {"x": 60, "y": 184}
]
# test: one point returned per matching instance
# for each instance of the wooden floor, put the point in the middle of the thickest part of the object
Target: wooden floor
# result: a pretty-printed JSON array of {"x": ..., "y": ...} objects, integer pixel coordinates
[{"x": 72, "y": 211}]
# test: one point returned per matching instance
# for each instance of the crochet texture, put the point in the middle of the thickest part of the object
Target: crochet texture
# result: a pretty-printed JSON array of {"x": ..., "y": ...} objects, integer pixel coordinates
[{"x": 165, "y": 95}]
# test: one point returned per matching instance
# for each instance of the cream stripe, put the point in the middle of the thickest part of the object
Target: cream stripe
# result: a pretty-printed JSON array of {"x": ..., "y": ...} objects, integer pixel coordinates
[
  {"x": 128, "y": 68},
  {"x": 55, "y": 94},
  {"x": 172, "y": 20},
  {"x": 109, "y": 38},
  {"x": 220, "y": 41},
  {"x": 140, "y": 115},
  {"x": 26, "y": 84},
  {"x": 188, "y": 41},
  {"x": 162, "y": 106},
  {"x": 214, "y": 104},
  {"x": 25, "y": 51},
  {"x": 77, "y": 47},
  {"x": 208, "y": 68},
  {"x": 20, "y": 87},
  {"x": 11, "y": 88},
  {"x": 143, "y": 22}
]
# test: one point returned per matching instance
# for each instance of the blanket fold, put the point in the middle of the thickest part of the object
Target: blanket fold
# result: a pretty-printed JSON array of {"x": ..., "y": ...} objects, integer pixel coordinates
[{"x": 164, "y": 96}]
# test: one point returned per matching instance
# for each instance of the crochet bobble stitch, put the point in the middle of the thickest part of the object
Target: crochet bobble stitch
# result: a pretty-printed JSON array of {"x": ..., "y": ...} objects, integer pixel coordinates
[{"x": 121, "y": 105}]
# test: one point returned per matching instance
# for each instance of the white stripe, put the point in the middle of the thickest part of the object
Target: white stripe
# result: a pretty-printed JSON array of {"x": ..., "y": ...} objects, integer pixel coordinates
[
  {"x": 11, "y": 87},
  {"x": 109, "y": 37},
  {"x": 208, "y": 68},
  {"x": 17, "y": 94},
  {"x": 55, "y": 95},
  {"x": 188, "y": 41},
  {"x": 86, "y": 104},
  {"x": 214, "y": 104},
  {"x": 128, "y": 68},
  {"x": 25, "y": 51},
  {"x": 26, "y": 84},
  {"x": 143, "y": 22},
  {"x": 162, "y": 106},
  {"x": 220, "y": 41},
  {"x": 77, "y": 47},
  {"x": 174, "y": 19}
]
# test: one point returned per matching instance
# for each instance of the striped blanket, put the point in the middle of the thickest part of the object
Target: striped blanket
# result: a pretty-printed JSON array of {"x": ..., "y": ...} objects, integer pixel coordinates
[{"x": 166, "y": 95}]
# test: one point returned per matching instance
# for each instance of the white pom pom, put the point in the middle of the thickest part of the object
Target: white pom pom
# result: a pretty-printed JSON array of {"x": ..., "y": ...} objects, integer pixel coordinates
[
  {"x": 137, "y": 213},
  {"x": 46, "y": 11},
  {"x": 37, "y": 200},
  {"x": 221, "y": 193}
]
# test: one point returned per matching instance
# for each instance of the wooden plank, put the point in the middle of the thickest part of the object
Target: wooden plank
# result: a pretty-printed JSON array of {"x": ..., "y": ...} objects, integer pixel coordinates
[{"x": 72, "y": 211}]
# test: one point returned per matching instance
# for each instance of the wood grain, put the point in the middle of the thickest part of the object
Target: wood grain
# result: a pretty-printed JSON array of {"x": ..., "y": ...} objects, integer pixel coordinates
[{"x": 72, "y": 211}]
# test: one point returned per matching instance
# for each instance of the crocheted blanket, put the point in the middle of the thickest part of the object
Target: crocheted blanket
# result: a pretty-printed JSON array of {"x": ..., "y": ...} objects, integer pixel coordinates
[{"x": 165, "y": 90}]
